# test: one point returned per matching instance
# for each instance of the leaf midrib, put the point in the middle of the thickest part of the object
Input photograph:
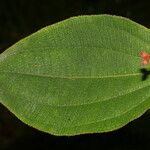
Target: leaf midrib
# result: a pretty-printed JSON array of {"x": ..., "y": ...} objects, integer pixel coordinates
[{"x": 72, "y": 77}]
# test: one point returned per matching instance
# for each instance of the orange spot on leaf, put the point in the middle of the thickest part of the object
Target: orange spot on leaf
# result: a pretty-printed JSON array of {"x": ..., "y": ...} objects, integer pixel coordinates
[{"x": 145, "y": 57}]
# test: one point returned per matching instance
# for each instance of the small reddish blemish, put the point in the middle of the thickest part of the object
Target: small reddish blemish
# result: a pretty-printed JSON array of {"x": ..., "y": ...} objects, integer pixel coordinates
[{"x": 145, "y": 57}]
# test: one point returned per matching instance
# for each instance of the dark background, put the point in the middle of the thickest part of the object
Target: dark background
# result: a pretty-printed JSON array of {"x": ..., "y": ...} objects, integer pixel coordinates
[{"x": 19, "y": 18}]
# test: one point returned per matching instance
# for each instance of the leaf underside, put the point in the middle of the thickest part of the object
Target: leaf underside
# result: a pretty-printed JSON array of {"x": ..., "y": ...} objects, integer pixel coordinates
[{"x": 81, "y": 75}]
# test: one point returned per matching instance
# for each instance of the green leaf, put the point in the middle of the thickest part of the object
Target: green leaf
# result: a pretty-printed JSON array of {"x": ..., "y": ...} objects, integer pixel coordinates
[{"x": 78, "y": 76}]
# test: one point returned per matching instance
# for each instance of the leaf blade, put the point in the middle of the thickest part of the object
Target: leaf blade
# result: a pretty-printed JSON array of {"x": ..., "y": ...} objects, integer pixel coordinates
[{"x": 72, "y": 77}]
